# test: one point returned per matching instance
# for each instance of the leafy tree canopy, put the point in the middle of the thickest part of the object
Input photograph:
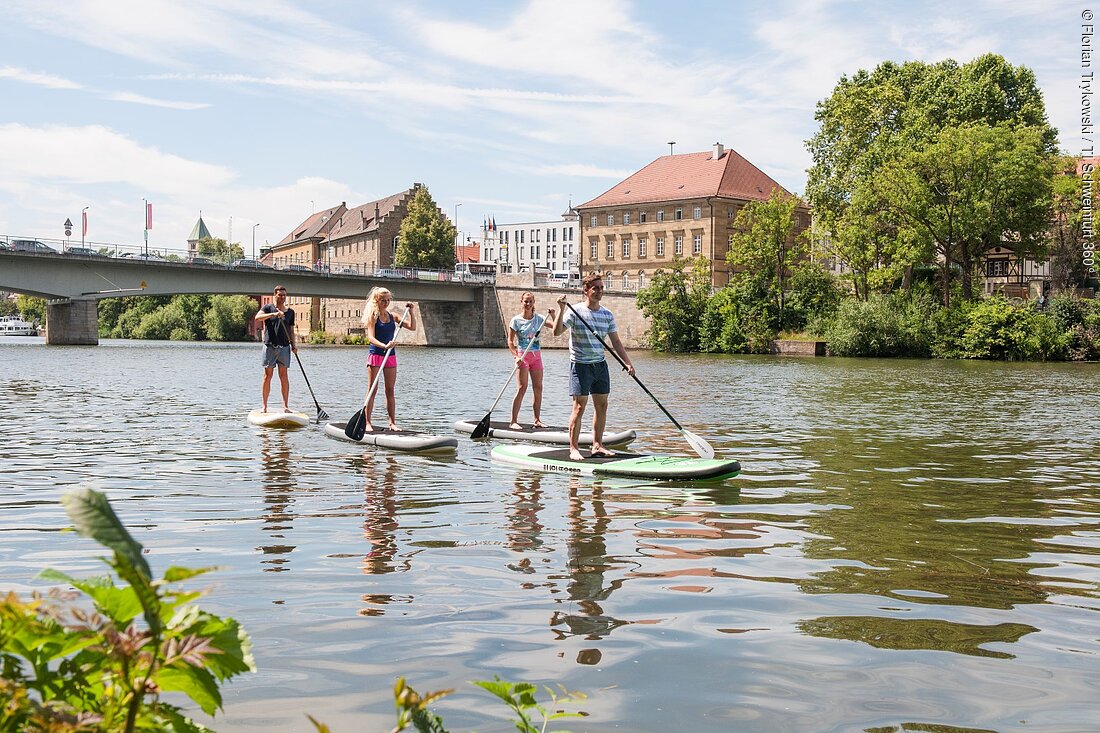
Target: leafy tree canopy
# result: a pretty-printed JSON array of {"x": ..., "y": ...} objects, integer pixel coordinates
[
  {"x": 427, "y": 237},
  {"x": 219, "y": 250}
]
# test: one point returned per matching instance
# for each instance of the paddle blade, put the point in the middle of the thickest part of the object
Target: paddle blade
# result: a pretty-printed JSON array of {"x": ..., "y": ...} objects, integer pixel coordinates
[
  {"x": 322, "y": 416},
  {"x": 482, "y": 428},
  {"x": 700, "y": 446},
  {"x": 357, "y": 426}
]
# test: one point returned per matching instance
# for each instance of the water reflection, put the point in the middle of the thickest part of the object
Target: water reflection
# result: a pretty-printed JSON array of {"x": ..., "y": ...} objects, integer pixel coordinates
[
  {"x": 380, "y": 516},
  {"x": 278, "y": 498},
  {"x": 588, "y": 565}
]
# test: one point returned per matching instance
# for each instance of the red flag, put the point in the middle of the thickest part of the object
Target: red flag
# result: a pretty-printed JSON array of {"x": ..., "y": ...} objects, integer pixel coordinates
[
  {"x": 148, "y": 216},
  {"x": 84, "y": 223}
]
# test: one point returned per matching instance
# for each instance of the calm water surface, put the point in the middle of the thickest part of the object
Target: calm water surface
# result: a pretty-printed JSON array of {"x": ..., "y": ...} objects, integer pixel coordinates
[{"x": 911, "y": 544}]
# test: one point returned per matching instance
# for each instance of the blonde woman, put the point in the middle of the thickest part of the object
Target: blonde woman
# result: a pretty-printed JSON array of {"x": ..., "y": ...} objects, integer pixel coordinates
[
  {"x": 381, "y": 324},
  {"x": 523, "y": 332}
]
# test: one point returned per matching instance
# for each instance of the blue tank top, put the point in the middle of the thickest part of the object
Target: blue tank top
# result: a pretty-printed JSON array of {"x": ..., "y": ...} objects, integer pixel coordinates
[{"x": 383, "y": 332}]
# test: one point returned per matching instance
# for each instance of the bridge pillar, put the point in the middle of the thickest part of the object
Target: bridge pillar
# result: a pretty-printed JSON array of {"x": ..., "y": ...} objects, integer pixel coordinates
[{"x": 72, "y": 322}]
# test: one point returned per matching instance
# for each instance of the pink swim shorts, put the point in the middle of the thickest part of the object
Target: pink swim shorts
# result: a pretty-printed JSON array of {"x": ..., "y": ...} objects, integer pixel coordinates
[
  {"x": 533, "y": 361},
  {"x": 375, "y": 360}
]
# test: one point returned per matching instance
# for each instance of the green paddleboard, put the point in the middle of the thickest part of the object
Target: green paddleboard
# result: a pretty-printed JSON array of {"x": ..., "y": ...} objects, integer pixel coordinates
[{"x": 626, "y": 465}]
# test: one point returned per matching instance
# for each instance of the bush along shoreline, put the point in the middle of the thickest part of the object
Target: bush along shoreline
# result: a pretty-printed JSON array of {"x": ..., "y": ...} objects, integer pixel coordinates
[{"x": 687, "y": 315}]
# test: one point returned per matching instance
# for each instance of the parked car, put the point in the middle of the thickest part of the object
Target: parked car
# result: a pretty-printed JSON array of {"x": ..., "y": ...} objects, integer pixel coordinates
[
  {"x": 143, "y": 256},
  {"x": 247, "y": 264},
  {"x": 349, "y": 271},
  {"x": 83, "y": 252},
  {"x": 31, "y": 245},
  {"x": 197, "y": 260},
  {"x": 387, "y": 272},
  {"x": 298, "y": 268},
  {"x": 4, "y": 247}
]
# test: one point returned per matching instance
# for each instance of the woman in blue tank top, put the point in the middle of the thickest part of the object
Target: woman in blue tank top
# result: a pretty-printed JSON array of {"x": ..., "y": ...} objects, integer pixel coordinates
[{"x": 382, "y": 324}]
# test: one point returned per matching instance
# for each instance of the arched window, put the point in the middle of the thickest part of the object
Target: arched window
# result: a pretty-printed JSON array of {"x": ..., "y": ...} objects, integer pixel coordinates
[
  {"x": 626, "y": 280},
  {"x": 641, "y": 279}
]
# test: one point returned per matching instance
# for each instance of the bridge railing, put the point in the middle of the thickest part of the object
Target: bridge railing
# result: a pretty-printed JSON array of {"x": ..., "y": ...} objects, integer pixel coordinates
[{"x": 186, "y": 257}]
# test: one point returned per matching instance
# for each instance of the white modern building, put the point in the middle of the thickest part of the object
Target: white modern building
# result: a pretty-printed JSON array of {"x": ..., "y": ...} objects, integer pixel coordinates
[{"x": 552, "y": 246}]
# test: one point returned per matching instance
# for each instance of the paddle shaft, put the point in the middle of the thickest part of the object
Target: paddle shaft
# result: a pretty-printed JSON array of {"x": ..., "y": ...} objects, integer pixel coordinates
[
  {"x": 378, "y": 377},
  {"x": 623, "y": 364},
  {"x": 299, "y": 360}
]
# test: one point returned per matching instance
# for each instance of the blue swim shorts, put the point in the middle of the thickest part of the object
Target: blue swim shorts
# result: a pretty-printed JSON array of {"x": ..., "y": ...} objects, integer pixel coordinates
[
  {"x": 586, "y": 379},
  {"x": 275, "y": 354}
]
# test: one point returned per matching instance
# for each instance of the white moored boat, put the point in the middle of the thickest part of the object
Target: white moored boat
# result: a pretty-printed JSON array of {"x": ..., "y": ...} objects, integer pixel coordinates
[{"x": 16, "y": 326}]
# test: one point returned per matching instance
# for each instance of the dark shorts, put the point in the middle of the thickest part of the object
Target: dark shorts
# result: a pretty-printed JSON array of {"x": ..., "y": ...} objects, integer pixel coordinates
[
  {"x": 586, "y": 379},
  {"x": 274, "y": 354}
]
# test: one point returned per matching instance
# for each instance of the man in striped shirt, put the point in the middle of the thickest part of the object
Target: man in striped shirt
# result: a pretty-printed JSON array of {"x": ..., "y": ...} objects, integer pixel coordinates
[{"x": 588, "y": 322}]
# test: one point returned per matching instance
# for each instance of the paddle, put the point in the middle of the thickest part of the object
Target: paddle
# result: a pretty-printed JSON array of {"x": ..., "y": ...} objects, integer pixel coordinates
[
  {"x": 700, "y": 446},
  {"x": 482, "y": 428},
  {"x": 321, "y": 414},
  {"x": 357, "y": 425}
]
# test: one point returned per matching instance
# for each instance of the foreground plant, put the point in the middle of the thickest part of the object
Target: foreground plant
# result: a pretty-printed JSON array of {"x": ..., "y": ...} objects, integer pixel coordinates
[
  {"x": 412, "y": 707},
  {"x": 64, "y": 667}
]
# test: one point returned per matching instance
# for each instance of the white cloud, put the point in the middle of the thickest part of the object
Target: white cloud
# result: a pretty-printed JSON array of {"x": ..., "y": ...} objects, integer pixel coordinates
[
  {"x": 142, "y": 99},
  {"x": 49, "y": 81}
]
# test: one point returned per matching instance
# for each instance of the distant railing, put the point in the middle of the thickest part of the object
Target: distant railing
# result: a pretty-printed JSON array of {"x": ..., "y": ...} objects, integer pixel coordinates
[{"x": 186, "y": 257}]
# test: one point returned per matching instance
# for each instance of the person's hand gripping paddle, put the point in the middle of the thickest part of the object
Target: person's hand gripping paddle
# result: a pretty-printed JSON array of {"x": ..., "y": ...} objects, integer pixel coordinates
[
  {"x": 482, "y": 428},
  {"x": 700, "y": 446},
  {"x": 357, "y": 425}
]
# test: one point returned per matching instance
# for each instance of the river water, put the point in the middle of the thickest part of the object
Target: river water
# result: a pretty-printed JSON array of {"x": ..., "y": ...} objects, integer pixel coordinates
[{"x": 911, "y": 543}]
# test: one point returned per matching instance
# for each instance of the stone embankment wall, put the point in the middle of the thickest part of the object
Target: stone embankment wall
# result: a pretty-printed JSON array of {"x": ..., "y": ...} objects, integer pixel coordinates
[{"x": 485, "y": 323}]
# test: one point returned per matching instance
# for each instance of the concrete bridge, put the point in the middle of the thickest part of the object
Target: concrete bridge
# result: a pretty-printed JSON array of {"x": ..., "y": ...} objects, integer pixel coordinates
[{"x": 72, "y": 284}]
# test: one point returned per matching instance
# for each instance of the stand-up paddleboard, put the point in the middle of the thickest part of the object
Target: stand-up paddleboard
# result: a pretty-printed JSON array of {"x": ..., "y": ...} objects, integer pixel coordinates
[
  {"x": 550, "y": 434},
  {"x": 276, "y": 419},
  {"x": 404, "y": 440},
  {"x": 626, "y": 465}
]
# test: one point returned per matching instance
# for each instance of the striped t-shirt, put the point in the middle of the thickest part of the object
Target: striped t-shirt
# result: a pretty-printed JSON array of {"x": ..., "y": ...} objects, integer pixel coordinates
[{"x": 584, "y": 348}]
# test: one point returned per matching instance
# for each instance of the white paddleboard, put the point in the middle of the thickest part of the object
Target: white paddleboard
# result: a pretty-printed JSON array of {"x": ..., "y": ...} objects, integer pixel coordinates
[{"x": 277, "y": 419}]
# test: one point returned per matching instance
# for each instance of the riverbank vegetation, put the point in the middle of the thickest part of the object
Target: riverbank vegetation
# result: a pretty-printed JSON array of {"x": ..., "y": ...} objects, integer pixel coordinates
[{"x": 920, "y": 172}]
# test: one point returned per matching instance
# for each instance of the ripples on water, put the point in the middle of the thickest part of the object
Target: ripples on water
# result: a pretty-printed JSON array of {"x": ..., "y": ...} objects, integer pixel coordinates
[{"x": 911, "y": 544}]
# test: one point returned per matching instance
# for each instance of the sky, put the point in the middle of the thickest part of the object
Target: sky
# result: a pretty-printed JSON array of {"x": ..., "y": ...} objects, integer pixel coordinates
[{"x": 260, "y": 113}]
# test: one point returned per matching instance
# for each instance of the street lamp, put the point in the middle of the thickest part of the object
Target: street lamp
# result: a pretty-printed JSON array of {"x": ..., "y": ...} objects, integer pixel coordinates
[
  {"x": 254, "y": 239},
  {"x": 458, "y": 237}
]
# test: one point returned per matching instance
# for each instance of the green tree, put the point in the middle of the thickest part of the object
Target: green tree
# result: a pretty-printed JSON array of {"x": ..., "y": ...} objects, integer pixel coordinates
[
  {"x": 219, "y": 250},
  {"x": 1068, "y": 271},
  {"x": 973, "y": 188},
  {"x": 674, "y": 303},
  {"x": 31, "y": 308},
  {"x": 875, "y": 119},
  {"x": 427, "y": 237},
  {"x": 764, "y": 244},
  {"x": 227, "y": 317},
  {"x": 7, "y": 305}
]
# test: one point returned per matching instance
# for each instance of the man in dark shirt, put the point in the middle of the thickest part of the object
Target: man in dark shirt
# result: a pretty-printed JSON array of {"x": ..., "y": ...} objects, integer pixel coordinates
[{"x": 279, "y": 343}]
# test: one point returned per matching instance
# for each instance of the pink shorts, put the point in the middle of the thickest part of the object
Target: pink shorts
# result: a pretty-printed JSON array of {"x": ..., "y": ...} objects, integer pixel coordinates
[
  {"x": 375, "y": 360},
  {"x": 532, "y": 361}
]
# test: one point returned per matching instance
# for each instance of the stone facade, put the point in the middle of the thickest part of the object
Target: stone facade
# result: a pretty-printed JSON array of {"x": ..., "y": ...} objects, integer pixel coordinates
[{"x": 72, "y": 322}]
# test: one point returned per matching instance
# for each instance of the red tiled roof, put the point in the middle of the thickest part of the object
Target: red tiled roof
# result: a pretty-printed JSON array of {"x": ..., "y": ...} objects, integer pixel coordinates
[
  {"x": 469, "y": 253},
  {"x": 688, "y": 176}
]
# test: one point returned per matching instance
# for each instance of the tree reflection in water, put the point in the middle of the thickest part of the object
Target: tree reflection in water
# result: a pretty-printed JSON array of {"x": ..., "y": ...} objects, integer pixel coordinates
[{"x": 278, "y": 489}]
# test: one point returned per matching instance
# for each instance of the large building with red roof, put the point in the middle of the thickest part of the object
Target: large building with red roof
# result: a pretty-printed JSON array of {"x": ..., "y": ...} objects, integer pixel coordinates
[{"x": 677, "y": 206}]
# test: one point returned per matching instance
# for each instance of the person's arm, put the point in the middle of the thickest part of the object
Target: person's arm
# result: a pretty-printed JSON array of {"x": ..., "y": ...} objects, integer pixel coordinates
[
  {"x": 617, "y": 344},
  {"x": 263, "y": 315},
  {"x": 551, "y": 319},
  {"x": 559, "y": 323},
  {"x": 512, "y": 345},
  {"x": 411, "y": 323}
]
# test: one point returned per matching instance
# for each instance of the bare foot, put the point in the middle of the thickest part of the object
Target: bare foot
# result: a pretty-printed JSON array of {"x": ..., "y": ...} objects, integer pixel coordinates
[
  {"x": 539, "y": 423},
  {"x": 394, "y": 428},
  {"x": 575, "y": 455},
  {"x": 264, "y": 409},
  {"x": 516, "y": 426},
  {"x": 286, "y": 409},
  {"x": 600, "y": 451},
  {"x": 369, "y": 428}
]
